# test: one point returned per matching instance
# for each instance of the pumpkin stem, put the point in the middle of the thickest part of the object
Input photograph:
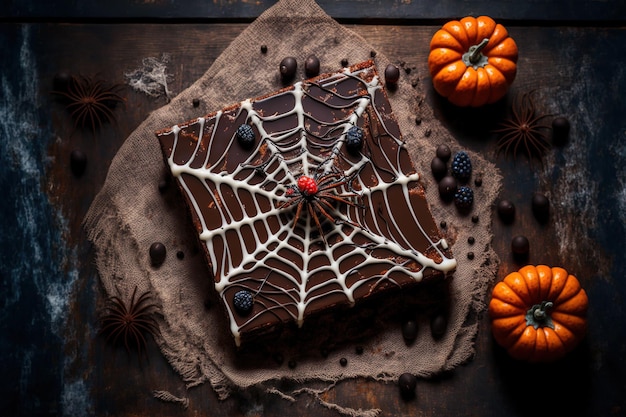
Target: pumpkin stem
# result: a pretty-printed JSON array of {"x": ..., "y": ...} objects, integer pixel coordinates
[
  {"x": 473, "y": 57},
  {"x": 537, "y": 316},
  {"x": 541, "y": 313}
]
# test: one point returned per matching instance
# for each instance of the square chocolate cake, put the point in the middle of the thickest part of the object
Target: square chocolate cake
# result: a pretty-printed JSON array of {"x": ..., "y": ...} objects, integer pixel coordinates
[{"x": 305, "y": 201}]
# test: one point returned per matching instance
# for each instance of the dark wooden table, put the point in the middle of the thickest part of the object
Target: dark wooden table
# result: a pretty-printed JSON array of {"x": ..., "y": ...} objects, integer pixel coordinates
[{"x": 54, "y": 363}]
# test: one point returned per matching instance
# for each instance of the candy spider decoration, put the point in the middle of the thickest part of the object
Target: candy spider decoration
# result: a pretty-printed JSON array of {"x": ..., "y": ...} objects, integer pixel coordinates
[{"x": 317, "y": 194}]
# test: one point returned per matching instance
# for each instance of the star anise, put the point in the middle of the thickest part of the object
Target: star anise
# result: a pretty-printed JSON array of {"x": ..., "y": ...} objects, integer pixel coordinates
[
  {"x": 89, "y": 101},
  {"x": 525, "y": 130},
  {"x": 127, "y": 321}
]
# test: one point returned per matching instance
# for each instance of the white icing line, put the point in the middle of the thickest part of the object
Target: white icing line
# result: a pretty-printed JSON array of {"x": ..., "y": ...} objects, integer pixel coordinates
[{"x": 280, "y": 178}]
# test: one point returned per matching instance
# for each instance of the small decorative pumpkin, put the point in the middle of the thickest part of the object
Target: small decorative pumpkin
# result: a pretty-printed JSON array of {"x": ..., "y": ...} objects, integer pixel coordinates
[
  {"x": 538, "y": 314},
  {"x": 472, "y": 61}
]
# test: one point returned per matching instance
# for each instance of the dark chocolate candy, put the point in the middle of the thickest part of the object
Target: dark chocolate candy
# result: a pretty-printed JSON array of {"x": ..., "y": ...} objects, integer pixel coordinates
[
  {"x": 392, "y": 74},
  {"x": 447, "y": 187},
  {"x": 157, "y": 253},
  {"x": 438, "y": 325},
  {"x": 506, "y": 211},
  {"x": 366, "y": 230},
  {"x": 78, "y": 162},
  {"x": 407, "y": 383},
  {"x": 287, "y": 68},
  {"x": 560, "y": 130},
  {"x": 520, "y": 245},
  {"x": 409, "y": 330},
  {"x": 439, "y": 168},
  {"x": 443, "y": 152},
  {"x": 541, "y": 207},
  {"x": 312, "y": 66}
]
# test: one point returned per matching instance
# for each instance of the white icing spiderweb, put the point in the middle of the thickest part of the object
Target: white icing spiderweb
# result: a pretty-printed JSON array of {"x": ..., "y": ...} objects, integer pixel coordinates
[
  {"x": 152, "y": 78},
  {"x": 249, "y": 235}
]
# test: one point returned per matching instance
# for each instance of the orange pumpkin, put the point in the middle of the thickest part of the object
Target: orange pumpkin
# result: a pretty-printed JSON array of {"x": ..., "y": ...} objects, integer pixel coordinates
[
  {"x": 538, "y": 314},
  {"x": 473, "y": 61}
]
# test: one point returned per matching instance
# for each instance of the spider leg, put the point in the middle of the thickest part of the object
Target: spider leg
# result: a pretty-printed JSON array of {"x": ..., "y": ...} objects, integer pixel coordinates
[
  {"x": 507, "y": 125},
  {"x": 506, "y": 141},
  {"x": 77, "y": 86},
  {"x": 341, "y": 198},
  {"x": 96, "y": 120},
  {"x": 290, "y": 202},
  {"x": 116, "y": 333},
  {"x": 141, "y": 310},
  {"x": 79, "y": 113},
  {"x": 529, "y": 152},
  {"x": 348, "y": 221},
  {"x": 317, "y": 221},
  {"x": 109, "y": 95},
  {"x": 140, "y": 340},
  {"x": 319, "y": 206},
  {"x": 104, "y": 110},
  {"x": 322, "y": 201},
  {"x": 148, "y": 324},
  {"x": 539, "y": 138},
  {"x": 132, "y": 297},
  {"x": 64, "y": 94},
  {"x": 322, "y": 181},
  {"x": 333, "y": 185},
  {"x": 117, "y": 305},
  {"x": 297, "y": 216},
  {"x": 534, "y": 120},
  {"x": 110, "y": 326}
]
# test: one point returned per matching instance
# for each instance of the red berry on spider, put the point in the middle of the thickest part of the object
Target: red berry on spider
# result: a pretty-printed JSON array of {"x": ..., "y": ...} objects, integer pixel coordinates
[{"x": 307, "y": 185}]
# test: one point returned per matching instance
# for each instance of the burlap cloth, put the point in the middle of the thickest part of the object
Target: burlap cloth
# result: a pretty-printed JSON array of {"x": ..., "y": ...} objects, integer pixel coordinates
[{"x": 130, "y": 213}]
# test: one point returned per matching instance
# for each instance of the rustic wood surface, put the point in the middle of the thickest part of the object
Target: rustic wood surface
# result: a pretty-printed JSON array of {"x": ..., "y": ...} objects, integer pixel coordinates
[
  {"x": 53, "y": 361},
  {"x": 588, "y": 11}
]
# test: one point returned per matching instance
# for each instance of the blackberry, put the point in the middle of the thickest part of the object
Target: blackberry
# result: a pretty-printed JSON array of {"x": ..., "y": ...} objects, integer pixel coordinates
[
  {"x": 461, "y": 166},
  {"x": 464, "y": 197},
  {"x": 354, "y": 139},
  {"x": 242, "y": 300},
  {"x": 245, "y": 136}
]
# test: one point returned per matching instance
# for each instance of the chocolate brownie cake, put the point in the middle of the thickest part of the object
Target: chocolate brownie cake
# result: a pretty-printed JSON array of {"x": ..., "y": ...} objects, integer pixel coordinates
[{"x": 306, "y": 201}]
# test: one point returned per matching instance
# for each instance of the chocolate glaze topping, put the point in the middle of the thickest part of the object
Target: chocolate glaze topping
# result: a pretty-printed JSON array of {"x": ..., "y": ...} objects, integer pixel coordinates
[{"x": 258, "y": 229}]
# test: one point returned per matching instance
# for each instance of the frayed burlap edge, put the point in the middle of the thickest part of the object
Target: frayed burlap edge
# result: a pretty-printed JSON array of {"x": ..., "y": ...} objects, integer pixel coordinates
[{"x": 129, "y": 214}]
